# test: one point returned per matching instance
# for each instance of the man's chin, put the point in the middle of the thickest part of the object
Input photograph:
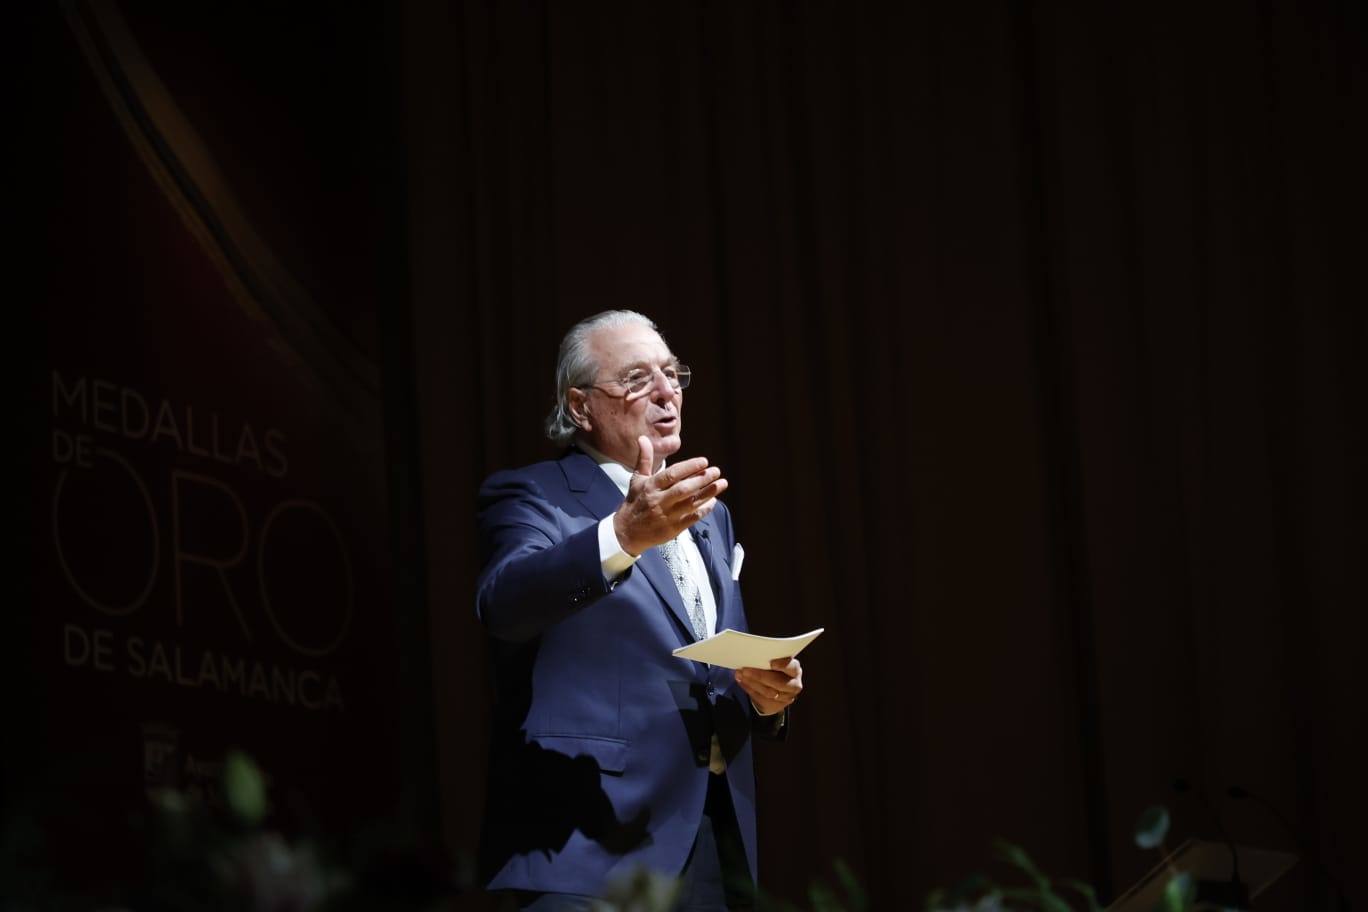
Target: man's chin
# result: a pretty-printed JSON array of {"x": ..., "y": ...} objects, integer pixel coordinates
[{"x": 666, "y": 446}]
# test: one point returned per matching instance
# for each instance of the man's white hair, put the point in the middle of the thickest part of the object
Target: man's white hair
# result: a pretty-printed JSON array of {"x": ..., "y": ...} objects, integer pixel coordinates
[{"x": 576, "y": 367}]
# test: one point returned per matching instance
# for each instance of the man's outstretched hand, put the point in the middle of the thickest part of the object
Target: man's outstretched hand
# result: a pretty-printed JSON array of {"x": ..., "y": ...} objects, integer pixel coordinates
[{"x": 662, "y": 504}]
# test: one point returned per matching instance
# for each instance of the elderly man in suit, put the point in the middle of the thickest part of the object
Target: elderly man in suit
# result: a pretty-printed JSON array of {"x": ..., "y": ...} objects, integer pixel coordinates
[{"x": 609, "y": 753}]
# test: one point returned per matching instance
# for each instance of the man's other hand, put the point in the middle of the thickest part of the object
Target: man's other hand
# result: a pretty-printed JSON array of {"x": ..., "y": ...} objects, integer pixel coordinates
[
  {"x": 660, "y": 505},
  {"x": 774, "y": 688}
]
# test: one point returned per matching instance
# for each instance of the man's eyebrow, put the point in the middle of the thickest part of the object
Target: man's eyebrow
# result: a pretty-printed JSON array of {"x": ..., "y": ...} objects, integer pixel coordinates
[{"x": 672, "y": 361}]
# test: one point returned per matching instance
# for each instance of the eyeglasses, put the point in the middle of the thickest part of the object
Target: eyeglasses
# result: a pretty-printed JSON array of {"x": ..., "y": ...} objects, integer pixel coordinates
[{"x": 638, "y": 380}]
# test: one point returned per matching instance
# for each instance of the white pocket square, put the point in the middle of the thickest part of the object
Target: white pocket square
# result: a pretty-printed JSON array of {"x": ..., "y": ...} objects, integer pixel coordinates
[{"x": 738, "y": 557}]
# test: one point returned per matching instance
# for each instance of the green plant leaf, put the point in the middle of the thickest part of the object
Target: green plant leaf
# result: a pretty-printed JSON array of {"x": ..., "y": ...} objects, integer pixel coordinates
[
  {"x": 1179, "y": 893},
  {"x": 856, "y": 898},
  {"x": 1038, "y": 897},
  {"x": 1086, "y": 890},
  {"x": 962, "y": 892},
  {"x": 767, "y": 903},
  {"x": 1020, "y": 893},
  {"x": 822, "y": 899},
  {"x": 641, "y": 890},
  {"x": 991, "y": 902},
  {"x": 1052, "y": 902},
  {"x": 1152, "y": 827},
  {"x": 244, "y": 788},
  {"x": 1016, "y": 856}
]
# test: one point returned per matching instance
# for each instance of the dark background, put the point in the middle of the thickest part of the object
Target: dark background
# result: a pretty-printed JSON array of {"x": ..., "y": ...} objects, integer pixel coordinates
[{"x": 1031, "y": 339}]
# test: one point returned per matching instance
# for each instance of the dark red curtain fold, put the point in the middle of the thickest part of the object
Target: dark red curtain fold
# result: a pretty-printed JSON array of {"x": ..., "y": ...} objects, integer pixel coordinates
[{"x": 1032, "y": 341}]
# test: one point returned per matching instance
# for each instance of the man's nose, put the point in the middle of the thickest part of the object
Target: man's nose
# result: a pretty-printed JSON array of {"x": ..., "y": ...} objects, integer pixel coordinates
[{"x": 661, "y": 388}]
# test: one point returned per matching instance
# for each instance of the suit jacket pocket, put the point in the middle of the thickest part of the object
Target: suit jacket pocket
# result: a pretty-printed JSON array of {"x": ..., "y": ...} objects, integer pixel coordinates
[{"x": 609, "y": 753}]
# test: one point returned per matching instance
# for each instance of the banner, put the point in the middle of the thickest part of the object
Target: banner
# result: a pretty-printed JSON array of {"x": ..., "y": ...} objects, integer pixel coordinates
[{"x": 210, "y": 553}]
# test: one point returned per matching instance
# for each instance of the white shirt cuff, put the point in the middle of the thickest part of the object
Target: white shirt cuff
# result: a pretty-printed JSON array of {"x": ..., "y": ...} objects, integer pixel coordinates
[{"x": 614, "y": 560}]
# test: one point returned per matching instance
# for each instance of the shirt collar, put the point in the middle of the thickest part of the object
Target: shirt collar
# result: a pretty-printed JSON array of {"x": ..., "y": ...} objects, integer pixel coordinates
[{"x": 618, "y": 473}]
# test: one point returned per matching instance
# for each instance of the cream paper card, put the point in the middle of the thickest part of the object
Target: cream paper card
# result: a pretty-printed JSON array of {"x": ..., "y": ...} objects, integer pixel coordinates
[{"x": 733, "y": 649}]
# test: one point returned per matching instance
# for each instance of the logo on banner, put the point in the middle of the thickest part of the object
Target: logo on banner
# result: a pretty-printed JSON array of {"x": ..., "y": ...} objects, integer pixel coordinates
[{"x": 204, "y": 571}]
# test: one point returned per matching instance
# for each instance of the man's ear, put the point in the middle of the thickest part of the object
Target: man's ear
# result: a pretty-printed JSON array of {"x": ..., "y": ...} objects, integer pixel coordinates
[{"x": 579, "y": 409}]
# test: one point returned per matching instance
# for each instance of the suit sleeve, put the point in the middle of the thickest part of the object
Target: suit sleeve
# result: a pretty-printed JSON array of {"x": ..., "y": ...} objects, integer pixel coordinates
[
  {"x": 771, "y": 728},
  {"x": 536, "y": 573}
]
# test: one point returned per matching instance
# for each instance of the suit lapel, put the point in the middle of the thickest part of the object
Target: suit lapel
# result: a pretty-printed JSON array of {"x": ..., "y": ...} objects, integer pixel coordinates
[
  {"x": 601, "y": 497},
  {"x": 590, "y": 485},
  {"x": 654, "y": 568}
]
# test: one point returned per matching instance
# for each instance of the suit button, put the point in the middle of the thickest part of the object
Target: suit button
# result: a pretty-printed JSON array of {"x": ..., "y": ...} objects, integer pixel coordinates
[{"x": 712, "y": 692}]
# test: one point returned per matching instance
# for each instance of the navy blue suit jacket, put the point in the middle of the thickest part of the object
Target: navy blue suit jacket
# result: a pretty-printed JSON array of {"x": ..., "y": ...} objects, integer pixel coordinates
[{"x": 601, "y": 738}]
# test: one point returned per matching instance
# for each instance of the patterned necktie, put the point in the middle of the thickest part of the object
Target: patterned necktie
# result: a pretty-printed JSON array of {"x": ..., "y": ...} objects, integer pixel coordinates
[{"x": 684, "y": 582}]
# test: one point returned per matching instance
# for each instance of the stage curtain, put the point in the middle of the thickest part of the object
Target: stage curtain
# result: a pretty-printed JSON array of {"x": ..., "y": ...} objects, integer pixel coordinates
[{"x": 1031, "y": 338}]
